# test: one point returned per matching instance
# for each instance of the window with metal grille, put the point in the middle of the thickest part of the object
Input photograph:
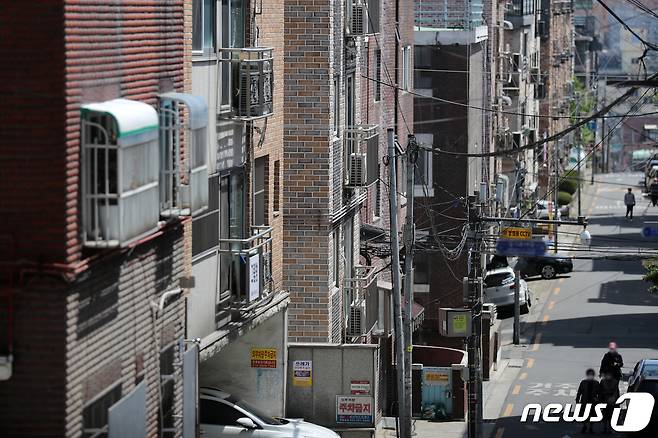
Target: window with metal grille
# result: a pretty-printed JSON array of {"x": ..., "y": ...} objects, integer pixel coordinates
[
  {"x": 167, "y": 392},
  {"x": 277, "y": 186},
  {"x": 205, "y": 226},
  {"x": 94, "y": 414},
  {"x": 260, "y": 191},
  {"x": 378, "y": 75}
]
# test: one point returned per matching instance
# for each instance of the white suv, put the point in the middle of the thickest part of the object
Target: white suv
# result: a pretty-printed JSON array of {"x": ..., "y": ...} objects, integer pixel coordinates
[
  {"x": 223, "y": 415},
  {"x": 499, "y": 287}
]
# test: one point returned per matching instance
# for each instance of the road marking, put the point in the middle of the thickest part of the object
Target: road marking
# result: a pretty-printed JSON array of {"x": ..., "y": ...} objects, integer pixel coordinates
[
  {"x": 516, "y": 390},
  {"x": 508, "y": 410},
  {"x": 535, "y": 346},
  {"x": 561, "y": 280},
  {"x": 523, "y": 376},
  {"x": 500, "y": 432},
  {"x": 551, "y": 305},
  {"x": 557, "y": 289},
  {"x": 531, "y": 363},
  {"x": 545, "y": 320}
]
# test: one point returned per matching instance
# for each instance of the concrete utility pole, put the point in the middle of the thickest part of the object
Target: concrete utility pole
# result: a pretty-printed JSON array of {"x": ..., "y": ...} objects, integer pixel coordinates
[
  {"x": 556, "y": 207},
  {"x": 398, "y": 336},
  {"x": 475, "y": 303},
  {"x": 409, "y": 238},
  {"x": 517, "y": 307}
]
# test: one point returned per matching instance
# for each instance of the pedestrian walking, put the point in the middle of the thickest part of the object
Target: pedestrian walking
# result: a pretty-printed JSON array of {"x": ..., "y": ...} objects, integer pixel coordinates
[
  {"x": 629, "y": 200},
  {"x": 653, "y": 192},
  {"x": 608, "y": 394},
  {"x": 585, "y": 237},
  {"x": 612, "y": 362},
  {"x": 588, "y": 395}
]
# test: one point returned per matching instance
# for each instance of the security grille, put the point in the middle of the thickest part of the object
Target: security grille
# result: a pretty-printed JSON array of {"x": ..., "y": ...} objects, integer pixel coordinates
[{"x": 357, "y": 169}]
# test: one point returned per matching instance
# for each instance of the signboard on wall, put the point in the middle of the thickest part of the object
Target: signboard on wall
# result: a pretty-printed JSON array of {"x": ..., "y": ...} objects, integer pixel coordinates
[
  {"x": 302, "y": 373},
  {"x": 360, "y": 387},
  {"x": 354, "y": 409},
  {"x": 254, "y": 277},
  {"x": 263, "y": 358}
]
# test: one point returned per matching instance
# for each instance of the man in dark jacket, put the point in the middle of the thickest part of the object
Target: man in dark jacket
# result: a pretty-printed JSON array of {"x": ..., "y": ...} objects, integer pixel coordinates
[
  {"x": 588, "y": 394},
  {"x": 653, "y": 192},
  {"x": 612, "y": 362},
  {"x": 608, "y": 394}
]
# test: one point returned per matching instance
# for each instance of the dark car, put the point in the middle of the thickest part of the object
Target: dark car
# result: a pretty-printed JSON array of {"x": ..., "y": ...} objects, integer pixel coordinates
[
  {"x": 644, "y": 368},
  {"x": 648, "y": 384},
  {"x": 548, "y": 265}
]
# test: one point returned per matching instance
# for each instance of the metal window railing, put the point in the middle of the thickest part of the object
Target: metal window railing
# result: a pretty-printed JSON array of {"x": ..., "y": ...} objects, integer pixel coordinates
[
  {"x": 449, "y": 14},
  {"x": 119, "y": 184},
  {"x": 252, "y": 81},
  {"x": 251, "y": 257}
]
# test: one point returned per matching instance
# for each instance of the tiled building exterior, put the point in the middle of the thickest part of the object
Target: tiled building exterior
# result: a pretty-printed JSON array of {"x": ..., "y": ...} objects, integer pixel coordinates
[{"x": 81, "y": 325}]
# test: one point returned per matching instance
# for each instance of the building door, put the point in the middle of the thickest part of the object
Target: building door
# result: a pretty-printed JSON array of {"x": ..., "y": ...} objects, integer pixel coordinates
[{"x": 436, "y": 398}]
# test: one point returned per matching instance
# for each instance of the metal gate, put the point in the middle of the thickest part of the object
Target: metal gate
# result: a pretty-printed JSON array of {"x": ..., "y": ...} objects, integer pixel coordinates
[{"x": 436, "y": 399}]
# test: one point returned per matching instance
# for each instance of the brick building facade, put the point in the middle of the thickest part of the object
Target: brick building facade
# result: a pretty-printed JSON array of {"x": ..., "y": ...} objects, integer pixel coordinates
[{"x": 78, "y": 318}]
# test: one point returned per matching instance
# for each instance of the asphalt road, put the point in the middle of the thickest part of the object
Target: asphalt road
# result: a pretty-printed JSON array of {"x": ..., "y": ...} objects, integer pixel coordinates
[{"x": 578, "y": 314}]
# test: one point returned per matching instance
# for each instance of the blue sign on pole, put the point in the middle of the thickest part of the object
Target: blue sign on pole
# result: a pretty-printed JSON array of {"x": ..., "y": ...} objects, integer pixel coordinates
[
  {"x": 650, "y": 231},
  {"x": 516, "y": 247}
]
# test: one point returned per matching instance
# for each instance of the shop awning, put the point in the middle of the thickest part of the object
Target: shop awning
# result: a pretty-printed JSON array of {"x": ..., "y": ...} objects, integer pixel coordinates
[
  {"x": 196, "y": 106},
  {"x": 137, "y": 122}
]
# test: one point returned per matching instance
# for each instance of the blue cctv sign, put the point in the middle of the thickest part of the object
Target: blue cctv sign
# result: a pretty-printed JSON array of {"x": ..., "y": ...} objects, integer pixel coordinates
[{"x": 531, "y": 248}]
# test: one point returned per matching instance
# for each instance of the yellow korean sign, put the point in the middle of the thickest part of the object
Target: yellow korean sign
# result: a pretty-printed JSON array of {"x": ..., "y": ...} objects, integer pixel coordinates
[
  {"x": 516, "y": 233},
  {"x": 436, "y": 376},
  {"x": 263, "y": 358}
]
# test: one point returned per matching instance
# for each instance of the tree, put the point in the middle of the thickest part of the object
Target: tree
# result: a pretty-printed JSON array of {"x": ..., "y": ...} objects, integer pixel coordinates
[{"x": 651, "y": 275}]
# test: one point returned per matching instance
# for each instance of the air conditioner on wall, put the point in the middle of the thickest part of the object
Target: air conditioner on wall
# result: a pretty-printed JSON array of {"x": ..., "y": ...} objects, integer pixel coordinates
[
  {"x": 356, "y": 324},
  {"x": 357, "y": 170}
]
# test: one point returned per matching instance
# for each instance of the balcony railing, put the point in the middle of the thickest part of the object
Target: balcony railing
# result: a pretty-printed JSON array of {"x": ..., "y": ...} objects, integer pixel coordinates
[
  {"x": 360, "y": 146},
  {"x": 250, "y": 263},
  {"x": 356, "y": 287},
  {"x": 449, "y": 14},
  {"x": 518, "y": 8},
  {"x": 252, "y": 81}
]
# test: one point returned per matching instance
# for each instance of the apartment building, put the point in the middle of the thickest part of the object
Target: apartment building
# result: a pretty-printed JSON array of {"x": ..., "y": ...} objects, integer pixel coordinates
[
  {"x": 520, "y": 71},
  {"x": 450, "y": 61},
  {"x": 102, "y": 152},
  {"x": 238, "y": 306},
  {"x": 555, "y": 87},
  {"x": 586, "y": 41}
]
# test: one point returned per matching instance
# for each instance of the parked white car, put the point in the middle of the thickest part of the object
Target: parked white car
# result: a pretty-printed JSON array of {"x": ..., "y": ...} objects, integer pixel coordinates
[
  {"x": 223, "y": 415},
  {"x": 542, "y": 211},
  {"x": 499, "y": 287}
]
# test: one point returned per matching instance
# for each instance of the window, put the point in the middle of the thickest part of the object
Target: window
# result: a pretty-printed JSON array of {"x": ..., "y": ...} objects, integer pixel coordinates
[
  {"x": 336, "y": 97},
  {"x": 167, "y": 405},
  {"x": 205, "y": 226},
  {"x": 203, "y": 26},
  {"x": 525, "y": 43},
  {"x": 378, "y": 75},
  {"x": 496, "y": 280},
  {"x": 218, "y": 413},
  {"x": 94, "y": 414},
  {"x": 260, "y": 191},
  {"x": 373, "y": 16},
  {"x": 421, "y": 268},
  {"x": 231, "y": 226},
  {"x": 378, "y": 193},
  {"x": 232, "y": 36},
  {"x": 348, "y": 246},
  {"x": 424, "y": 175},
  {"x": 336, "y": 255},
  {"x": 406, "y": 68},
  {"x": 277, "y": 186},
  {"x": 350, "y": 119}
]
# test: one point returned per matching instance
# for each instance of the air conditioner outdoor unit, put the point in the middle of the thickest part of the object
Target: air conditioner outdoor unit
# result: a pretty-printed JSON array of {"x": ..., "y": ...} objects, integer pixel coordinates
[
  {"x": 359, "y": 19},
  {"x": 357, "y": 170},
  {"x": 356, "y": 324}
]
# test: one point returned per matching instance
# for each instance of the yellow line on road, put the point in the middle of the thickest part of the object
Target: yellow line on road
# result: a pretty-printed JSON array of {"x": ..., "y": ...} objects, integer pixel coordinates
[
  {"x": 535, "y": 346},
  {"x": 545, "y": 320},
  {"x": 516, "y": 390},
  {"x": 531, "y": 363},
  {"x": 523, "y": 376},
  {"x": 556, "y": 291},
  {"x": 551, "y": 305},
  {"x": 508, "y": 410},
  {"x": 561, "y": 280},
  {"x": 500, "y": 432}
]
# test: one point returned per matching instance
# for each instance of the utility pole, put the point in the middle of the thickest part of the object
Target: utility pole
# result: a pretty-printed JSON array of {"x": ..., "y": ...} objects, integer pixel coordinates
[
  {"x": 517, "y": 307},
  {"x": 398, "y": 337},
  {"x": 578, "y": 150},
  {"x": 556, "y": 208},
  {"x": 474, "y": 301},
  {"x": 409, "y": 237}
]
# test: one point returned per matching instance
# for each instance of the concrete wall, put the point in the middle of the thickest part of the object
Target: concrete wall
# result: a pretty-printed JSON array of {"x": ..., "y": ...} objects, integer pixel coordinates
[
  {"x": 334, "y": 367},
  {"x": 230, "y": 370}
]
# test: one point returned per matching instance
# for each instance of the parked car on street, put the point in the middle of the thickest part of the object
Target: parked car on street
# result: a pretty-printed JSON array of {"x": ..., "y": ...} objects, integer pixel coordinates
[
  {"x": 224, "y": 415},
  {"x": 548, "y": 265},
  {"x": 542, "y": 210},
  {"x": 648, "y": 384},
  {"x": 644, "y": 368},
  {"x": 499, "y": 288}
]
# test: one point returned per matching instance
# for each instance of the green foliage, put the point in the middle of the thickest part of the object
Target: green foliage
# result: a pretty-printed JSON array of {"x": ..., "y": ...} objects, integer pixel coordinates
[
  {"x": 652, "y": 275},
  {"x": 568, "y": 185},
  {"x": 564, "y": 198}
]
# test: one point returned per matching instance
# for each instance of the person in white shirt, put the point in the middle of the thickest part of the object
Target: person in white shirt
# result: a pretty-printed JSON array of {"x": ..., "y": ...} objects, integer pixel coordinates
[
  {"x": 629, "y": 200},
  {"x": 585, "y": 237}
]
